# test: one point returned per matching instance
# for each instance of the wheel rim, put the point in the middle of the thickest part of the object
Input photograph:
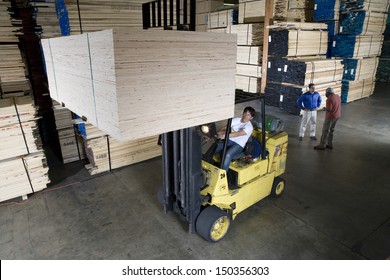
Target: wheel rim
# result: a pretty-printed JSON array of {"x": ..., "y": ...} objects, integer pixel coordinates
[
  {"x": 279, "y": 188},
  {"x": 219, "y": 228}
]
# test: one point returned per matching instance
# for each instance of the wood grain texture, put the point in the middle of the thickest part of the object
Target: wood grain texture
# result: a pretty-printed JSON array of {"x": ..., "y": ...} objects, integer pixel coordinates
[{"x": 137, "y": 84}]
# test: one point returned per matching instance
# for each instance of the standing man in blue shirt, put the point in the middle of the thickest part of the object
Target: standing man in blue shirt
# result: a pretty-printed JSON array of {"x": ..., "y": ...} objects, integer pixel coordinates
[{"x": 309, "y": 102}]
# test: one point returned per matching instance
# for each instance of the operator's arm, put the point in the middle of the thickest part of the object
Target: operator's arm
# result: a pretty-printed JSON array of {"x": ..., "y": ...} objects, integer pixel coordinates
[{"x": 221, "y": 134}]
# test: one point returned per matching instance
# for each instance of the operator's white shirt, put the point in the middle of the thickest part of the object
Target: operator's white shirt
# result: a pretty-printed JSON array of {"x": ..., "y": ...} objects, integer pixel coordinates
[{"x": 237, "y": 125}]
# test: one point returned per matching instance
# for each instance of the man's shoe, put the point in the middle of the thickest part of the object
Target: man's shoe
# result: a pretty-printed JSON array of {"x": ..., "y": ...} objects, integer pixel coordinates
[
  {"x": 300, "y": 138},
  {"x": 313, "y": 138},
  {"x": 318, "y": 147},
  {"x": 329, "y": 147}
]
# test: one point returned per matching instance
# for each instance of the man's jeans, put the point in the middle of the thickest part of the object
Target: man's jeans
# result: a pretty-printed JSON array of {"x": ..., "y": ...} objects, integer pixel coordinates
[{"x": 232, "y": 150}]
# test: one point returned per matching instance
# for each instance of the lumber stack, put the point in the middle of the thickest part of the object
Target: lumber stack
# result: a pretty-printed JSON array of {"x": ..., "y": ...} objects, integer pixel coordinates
[
  {"x": 70, "y": 142},
  {"x": 300, "y": 10},
  {"x": 346, "y": 46},
  {"x": 302, "y": 72},
  {"x": 22, "y": 161},
  {"x": 383, "y": 73},
  {"x": 221, "y": 19},
  {"x": 105, "y": 153},
  {"x": 8, "y": 31},
  {"x": 358, "y": 89},
  {"x": 362, "y": 22},
  {"x": 357, "y": 69},
  {"x": 284, "y": 95},
  {"x": 95, "y": 15},
  {"x": 23, "y": 175},
  {"x": 46, "y": 18},
  {"x": 203, "y": 9},
  {"x": 114, "y": 78},
  {"x": 326, "y": 10},
  {"x": 381, "y": 6},
  {"x": 298, "y": 39},
  {"x": 12, "y": 70},
  {"x": 253, "y": 11}
]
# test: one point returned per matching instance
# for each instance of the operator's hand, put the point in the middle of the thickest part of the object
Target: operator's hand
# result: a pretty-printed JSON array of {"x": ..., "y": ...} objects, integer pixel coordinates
[{"x": 220, "y": 135}]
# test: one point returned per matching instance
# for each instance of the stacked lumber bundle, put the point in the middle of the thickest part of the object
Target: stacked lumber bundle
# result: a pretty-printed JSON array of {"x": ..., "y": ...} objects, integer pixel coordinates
[
  {"x": 300, "y": 10},
  {"x": 8, "y": 31},
  {"x": 302, "y": 72},
  {"x": 251, "y": 11},
  {"x": 18, "y": 127},
  {"x": 95, "y": 15},
  {"x": 326, "y": 10},
  {"x": 221, "y": 19},
  {"x": 381, "y": 6},
  {"x": 113, "y": 78},
  {"x": 284, "y": 95},
  {"x": 70, "y": 142},
  {"x": 105, "y": 153},
  {"x": 23, "y": 175},
  {"x": 22, "y": 161},
  {"x": 46, "y": 17},
  {"x": 298, "y": 39},
  {"x": 345, "y": 46},
  {"x": 362, "y": 22},
  {"x": 383, "y": 73},
  {"x": 203, "y": 8},
  {"x": 12, "y": 70},
  {"x": 357, "y": 69},
  {"x": 358, "y": 89}
]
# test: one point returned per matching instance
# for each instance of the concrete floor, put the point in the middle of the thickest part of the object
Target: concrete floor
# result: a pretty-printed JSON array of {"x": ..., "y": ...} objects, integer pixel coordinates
[{"x": 336, "y": 205}]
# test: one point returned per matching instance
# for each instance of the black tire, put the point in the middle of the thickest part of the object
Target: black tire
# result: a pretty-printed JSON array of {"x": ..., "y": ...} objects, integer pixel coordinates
[
  {"x": 278, "y": 187},
  {"x": 212, "y": 223}
]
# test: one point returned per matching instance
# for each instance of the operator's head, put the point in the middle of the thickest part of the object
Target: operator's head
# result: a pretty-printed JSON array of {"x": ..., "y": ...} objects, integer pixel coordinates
[
  {"x": 248, "y": 114},
  {"x": 312, "y": 88},
  {"x": 329, "y": 91}
]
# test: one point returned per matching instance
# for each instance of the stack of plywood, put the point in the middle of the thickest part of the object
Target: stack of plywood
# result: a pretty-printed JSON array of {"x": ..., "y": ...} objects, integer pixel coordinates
[
  {"x": 70, "y": 142},
  {"x": 138, "y": 84},
  {"x": 23, "y": 175},
  {"x": 46, "y": 17},
  {"x": 95, "y": 15},
  {"x": 203, "y": 9},
  {"x": 251, "y": 11},
  {"x": 12, "y": 70},
  {"x": 22, "y": 162},
  {"x": 7, "y": 30},
  {"x": 105, "y": 153}
]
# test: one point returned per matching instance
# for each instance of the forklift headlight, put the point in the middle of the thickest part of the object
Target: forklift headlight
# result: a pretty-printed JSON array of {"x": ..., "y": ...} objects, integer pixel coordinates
[{"x": 205, "y": 129}]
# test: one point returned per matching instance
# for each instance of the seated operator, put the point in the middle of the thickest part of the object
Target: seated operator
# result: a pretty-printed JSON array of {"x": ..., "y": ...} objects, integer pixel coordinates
[{"x": 241, "y": 130}]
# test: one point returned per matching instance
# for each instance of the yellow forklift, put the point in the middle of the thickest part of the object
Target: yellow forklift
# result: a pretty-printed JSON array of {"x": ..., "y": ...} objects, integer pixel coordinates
[
  {"x": 194, "y": 185},
  {"x": 208, "y": 197}
]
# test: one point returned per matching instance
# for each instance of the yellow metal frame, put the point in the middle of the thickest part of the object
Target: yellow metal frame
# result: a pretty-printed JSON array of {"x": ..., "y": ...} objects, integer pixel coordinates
[{"x": 254, "y": 180}]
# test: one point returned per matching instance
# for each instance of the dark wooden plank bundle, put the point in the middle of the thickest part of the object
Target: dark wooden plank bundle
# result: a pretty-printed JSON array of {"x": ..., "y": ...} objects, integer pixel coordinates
[
  {"x": 302, "y": 72},
  {"x": 325, "y": 10},
  {"x": 362, "y": 22},
  {"x": 348, "y": 46},
  {"x": 283, "y": 96},
  {"x": 383, "y": 73},
  {"x": 357, "y": 69},
  {"x": 297, "y": 42},
  {"x": 372, "y": 5}
]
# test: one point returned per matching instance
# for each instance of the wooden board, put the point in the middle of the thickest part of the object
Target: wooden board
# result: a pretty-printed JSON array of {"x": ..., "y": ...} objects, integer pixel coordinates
[
  {"x": 7, "y": 30},
  {"x": 248, "y": 34},
  {"x": 248, "y": 84},
  {"x": 46, "y": 17},
  {"x": 220, "y": 19},
  {"x": 71, "y": 144},
  {"x": 137, "y": 84}
]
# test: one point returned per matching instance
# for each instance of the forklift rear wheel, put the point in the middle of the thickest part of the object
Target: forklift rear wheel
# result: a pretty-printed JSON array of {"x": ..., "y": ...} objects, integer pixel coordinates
[
  {"x": 212, "y": 223},
  {"x": 278, "y": 187}
]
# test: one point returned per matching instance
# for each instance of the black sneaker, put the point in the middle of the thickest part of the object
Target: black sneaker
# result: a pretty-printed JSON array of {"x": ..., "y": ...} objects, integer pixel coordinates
[
  {"x": 313, "y": 138},
  {"x": 300, "y": 138},
  {"x": 329, "y": 147}
]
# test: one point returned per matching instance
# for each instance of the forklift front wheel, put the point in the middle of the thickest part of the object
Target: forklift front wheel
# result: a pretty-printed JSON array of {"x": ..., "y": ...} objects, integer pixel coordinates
[
  {"x": 212, "y": 223},
  {"x": 278, "y": 187}
]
